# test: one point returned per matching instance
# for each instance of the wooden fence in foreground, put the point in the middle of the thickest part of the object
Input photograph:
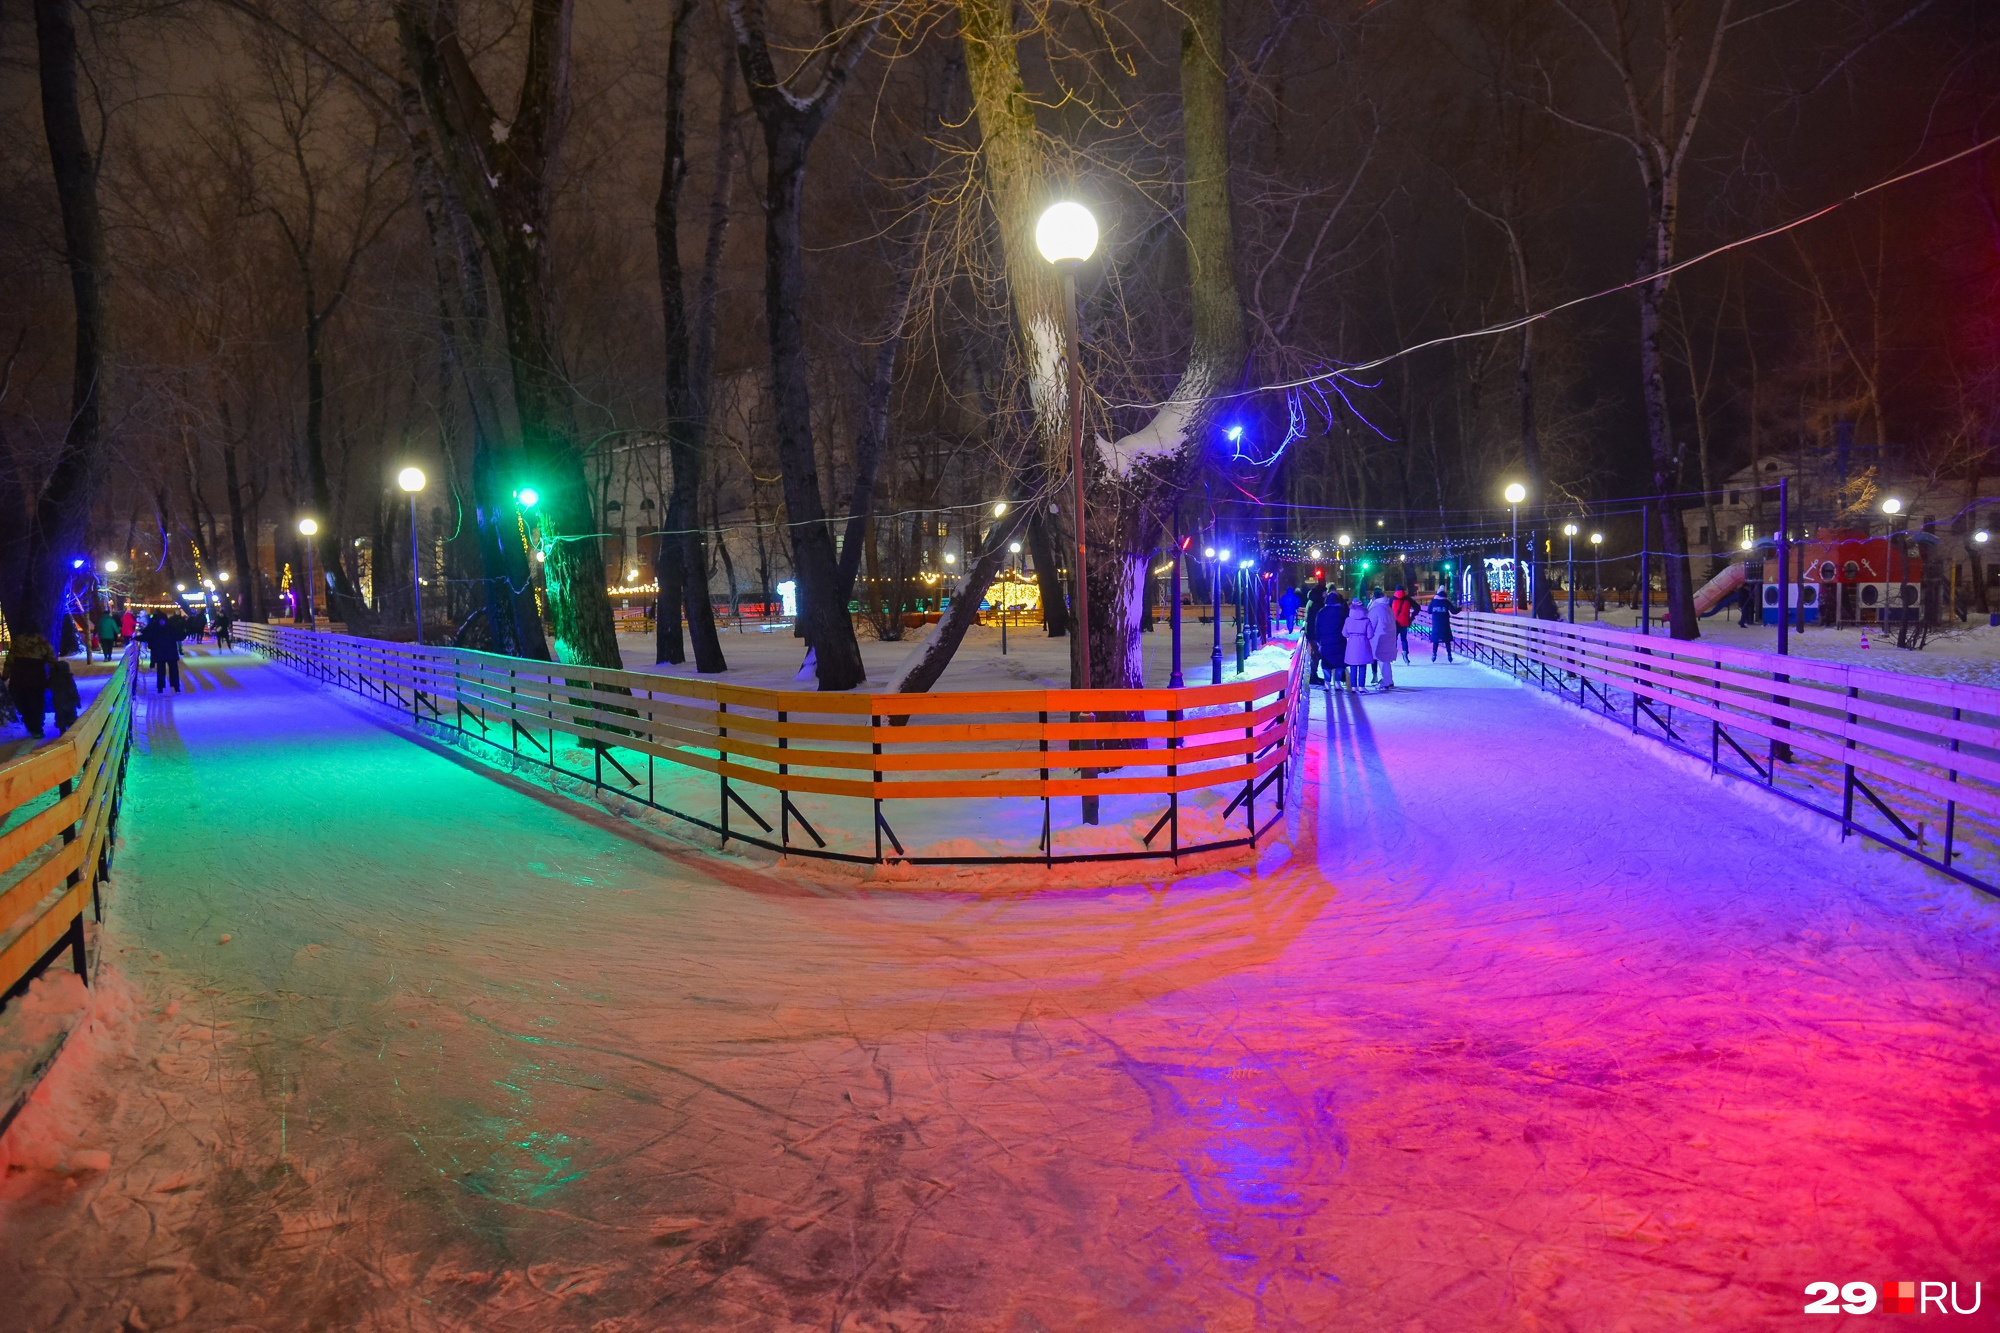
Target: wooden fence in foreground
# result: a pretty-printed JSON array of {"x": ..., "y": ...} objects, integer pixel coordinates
[
  {"x": 1911, "y": 762},
  {"x": 859, "y": 754},
  {"x": 58, "y": 811}
]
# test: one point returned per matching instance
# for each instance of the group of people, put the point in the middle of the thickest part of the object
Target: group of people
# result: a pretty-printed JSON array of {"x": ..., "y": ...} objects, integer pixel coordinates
[
  {"x": 39, "y": 681},
  {"x": 163, "y": 635},
  {"x": 1356, "y": 644}
]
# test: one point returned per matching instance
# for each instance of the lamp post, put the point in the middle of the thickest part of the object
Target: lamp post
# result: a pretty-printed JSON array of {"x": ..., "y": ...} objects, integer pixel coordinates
[
  {"x": 411, "y": 479},
  {"x": 1066, "y": 235},
  {"x": 1237, "y": 595},
  {"x": 1007, "y": 604},
  {"x": 1597, "y": 577},
  {"x": 307, "y": 528},
  {"x": 1515, "y": 493},
  {"x": 1569, "y": 578},
  {"x": 1215, "y": 560},
  {"x": 1174, "y": 680}
]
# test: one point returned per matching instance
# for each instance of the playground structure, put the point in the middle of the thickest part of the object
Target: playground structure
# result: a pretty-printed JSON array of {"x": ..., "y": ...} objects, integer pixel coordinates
[
  {"x": 1923, "y": 753},
  {"x": 853, "y": 773}
]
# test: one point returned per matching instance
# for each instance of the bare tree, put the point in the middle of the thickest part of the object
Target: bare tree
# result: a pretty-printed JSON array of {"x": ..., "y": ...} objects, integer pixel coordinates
[
  {"x": 791, "y": 121},
  {"x": 682, "y": 566},
  {"x": 1659, "y": 124},
  {"x": 300, "y": 91},
  {"x": 504, "y": 176},
  {"x": 58, "y": 516},
  {"x": 1141, "y": 474}
]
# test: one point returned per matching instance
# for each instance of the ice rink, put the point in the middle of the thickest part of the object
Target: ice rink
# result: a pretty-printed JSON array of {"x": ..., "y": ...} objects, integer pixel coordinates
[{"x": 1526, "y": 1025}]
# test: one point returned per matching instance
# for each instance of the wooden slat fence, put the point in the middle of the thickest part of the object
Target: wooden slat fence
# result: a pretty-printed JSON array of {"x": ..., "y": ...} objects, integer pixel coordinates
[
  {"x": 58, "y": 814},
  {"x": 863, "y": 755},
  {"x": 1909, "y": 761}
]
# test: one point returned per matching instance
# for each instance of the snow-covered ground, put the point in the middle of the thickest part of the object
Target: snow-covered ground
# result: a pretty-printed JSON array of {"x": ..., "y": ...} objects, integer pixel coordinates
[{"x": 1524, "y": 1025}]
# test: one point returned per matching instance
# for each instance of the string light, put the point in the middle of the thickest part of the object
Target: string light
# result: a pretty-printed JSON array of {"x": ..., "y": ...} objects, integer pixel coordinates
[{"x": 1331, "y": 378}]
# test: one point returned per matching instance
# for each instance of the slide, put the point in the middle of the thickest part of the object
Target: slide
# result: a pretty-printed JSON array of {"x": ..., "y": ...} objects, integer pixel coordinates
[{"x": 1711, "y": 595}]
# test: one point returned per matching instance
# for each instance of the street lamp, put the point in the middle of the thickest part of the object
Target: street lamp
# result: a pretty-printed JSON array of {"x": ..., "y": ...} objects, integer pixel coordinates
[
  {"x": 1514, "y": 494},
  {"x": 1597, "y": 577},
  {"x": 1220, "y": 558},
  {"x": 1244, "y": 632},
  {"x": 111, "y": 566},
  {"x": 411, "y": 479},
  {"x": 1007, "y": 598},
  {"x": 307, "y": 528},
  {"x": 1892, "y": 506},
  {"x": 1569, "y": 531},
  {"x": 1067, "y": 235}
]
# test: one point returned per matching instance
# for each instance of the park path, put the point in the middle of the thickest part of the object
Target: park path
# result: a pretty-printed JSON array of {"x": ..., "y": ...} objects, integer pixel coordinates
[{"x": 1527, "y": 1025}]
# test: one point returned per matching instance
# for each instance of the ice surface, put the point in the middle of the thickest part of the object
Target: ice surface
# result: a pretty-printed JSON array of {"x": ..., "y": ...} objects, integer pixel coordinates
[{"x": 1521, "y": 1026}]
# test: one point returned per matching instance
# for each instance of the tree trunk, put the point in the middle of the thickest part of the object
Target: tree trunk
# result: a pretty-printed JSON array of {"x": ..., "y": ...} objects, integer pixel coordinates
[
  {"x": 1679, "y": 589},
  {"x": 682, "y": 560},
  {"x": 790, "y": 123},
  {"x": 513, "y": 620},
  {"x": 503, "y": 174},
  {"x": 1142, "y": 474},
  {"x": 1055, "y": 604},
  {"x": 60, "y": 520},
  {"x": 928, "y": 663},
  {"x": 579, "y": 602},
  {"x": 249, "y": 599},
  {"x": 874, "y": 433}
]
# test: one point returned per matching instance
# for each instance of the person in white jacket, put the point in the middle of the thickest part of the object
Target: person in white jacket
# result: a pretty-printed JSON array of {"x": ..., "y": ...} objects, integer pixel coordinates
[
  {"x": 1382, "y": 629},
  {"x": 1359, "y": 632}
]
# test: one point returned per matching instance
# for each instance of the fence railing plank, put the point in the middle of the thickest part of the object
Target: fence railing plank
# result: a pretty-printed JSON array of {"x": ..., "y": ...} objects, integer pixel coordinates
[{"x": 900, "y": 747}]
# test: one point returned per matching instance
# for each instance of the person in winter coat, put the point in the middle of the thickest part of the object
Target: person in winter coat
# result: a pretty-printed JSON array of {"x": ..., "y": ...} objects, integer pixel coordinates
[
  {"x": 1327, "y": 634},
  {"x": 1382, "y": 639},
  {"x": 1405, "y": 608},
  {"x": 27, "y": 672},
  {"x": 1441, "y": 609},
  {"x": 63, "y": 694},
  {"x": 128, "y": 625},
  {"x": 1289, "y": 606},
  {"x": 107, "y": 634},
  {"x": 1315, "y": 603},
  {"x": 162, "y": 638},
  {"x": 1359, "y": 634}
]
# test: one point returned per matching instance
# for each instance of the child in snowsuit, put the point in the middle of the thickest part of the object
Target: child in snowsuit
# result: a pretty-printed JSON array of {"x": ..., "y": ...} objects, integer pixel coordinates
[
  {"x": 1359, "y": 635},
  {"x": 27, "y": 673},
  {"x": 63, "y": 694}
]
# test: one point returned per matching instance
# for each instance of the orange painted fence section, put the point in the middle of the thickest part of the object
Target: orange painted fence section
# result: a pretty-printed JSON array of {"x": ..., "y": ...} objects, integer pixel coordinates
[
  {"x": 58, "y": 806},
  {"x": 875, "y": 747}
]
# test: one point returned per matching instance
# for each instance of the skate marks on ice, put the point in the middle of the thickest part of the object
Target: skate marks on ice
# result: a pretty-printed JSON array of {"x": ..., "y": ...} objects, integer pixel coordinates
[{"x": 1430, "y": 1069}]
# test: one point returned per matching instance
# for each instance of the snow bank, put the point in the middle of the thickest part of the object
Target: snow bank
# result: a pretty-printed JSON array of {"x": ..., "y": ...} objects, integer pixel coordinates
[{"x": 62, "y": 1035}]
